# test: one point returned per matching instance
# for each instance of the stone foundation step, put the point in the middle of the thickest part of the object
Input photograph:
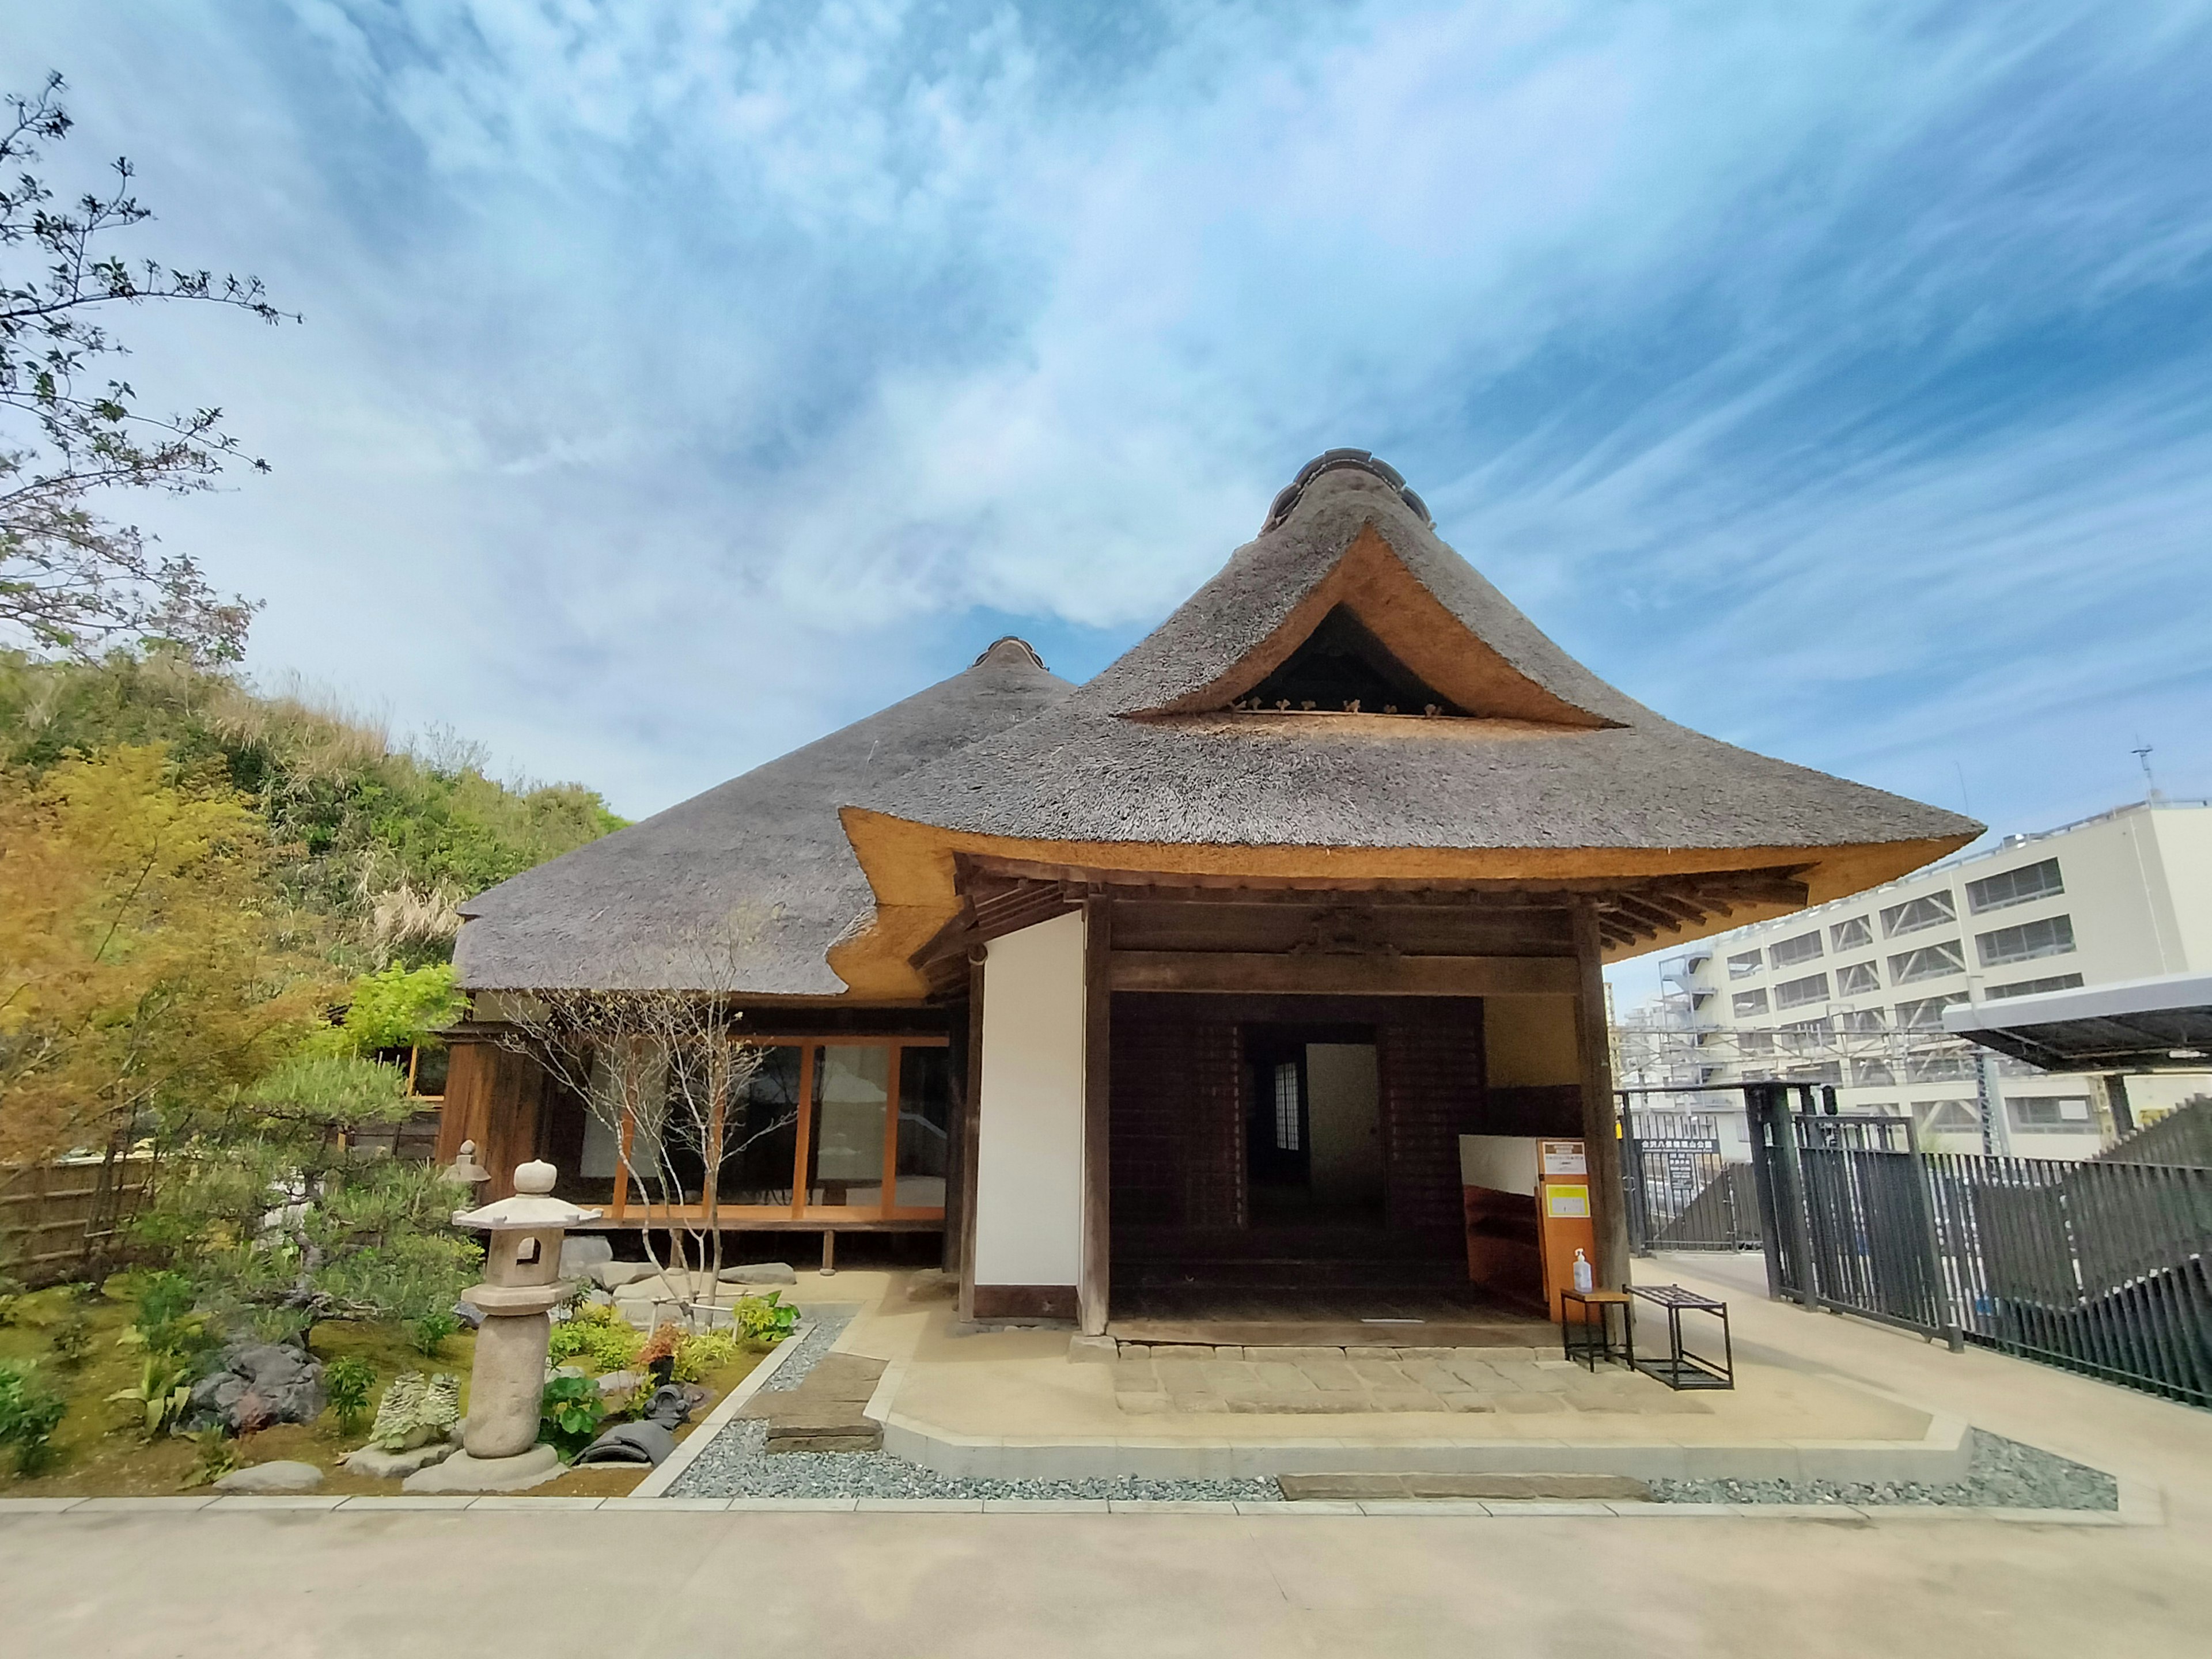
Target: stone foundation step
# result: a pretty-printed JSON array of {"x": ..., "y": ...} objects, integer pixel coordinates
[
  {"x": 1473, "y": 1333},
  {"x": 1616, "y": 1488}
]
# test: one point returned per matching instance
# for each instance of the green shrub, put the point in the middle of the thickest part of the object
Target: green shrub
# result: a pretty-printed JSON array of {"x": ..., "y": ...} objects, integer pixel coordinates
[
  {"x": 164, "y": 1323},
  {"x": 29, "y": 1413},
  {"x": 569, "y": 1414},
  {"x": 214, "y": 1457},
  {"x": 709, "y": 1351},
  {"x": 596, "y": 1334},
  {"x": 72, "y": 1340},
  {"x": 426, "y": 1333},
  {"x": 165, "y": 1385},
  {"x": 765, "y": 1319},
  {"x": 347, "y": 1380}
]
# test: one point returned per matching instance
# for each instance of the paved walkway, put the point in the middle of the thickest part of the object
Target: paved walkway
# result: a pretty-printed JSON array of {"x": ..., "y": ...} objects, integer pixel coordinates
[
  {"x": 1335, "y": 1382},
  {"x": 251, "y": 1584}
]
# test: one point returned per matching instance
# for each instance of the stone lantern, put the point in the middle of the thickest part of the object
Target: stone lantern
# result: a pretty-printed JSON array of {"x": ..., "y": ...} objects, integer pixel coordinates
[{"x": 522, "y": 1286}]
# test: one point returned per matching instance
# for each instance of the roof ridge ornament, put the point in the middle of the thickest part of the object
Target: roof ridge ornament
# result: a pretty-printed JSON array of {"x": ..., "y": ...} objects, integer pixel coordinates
[
  {"x": 1336, "y": 460},
  {"x": 1014, "y": 639}
]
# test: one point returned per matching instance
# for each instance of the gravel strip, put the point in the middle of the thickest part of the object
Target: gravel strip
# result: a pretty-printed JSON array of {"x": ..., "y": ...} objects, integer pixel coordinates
[
  {"x": 737, "y": 1464},
  {"x": 2002, "y": 1475}
]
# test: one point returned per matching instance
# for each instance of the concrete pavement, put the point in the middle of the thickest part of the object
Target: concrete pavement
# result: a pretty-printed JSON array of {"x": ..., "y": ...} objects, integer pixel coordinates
[{"x": 394, "y": 1582}]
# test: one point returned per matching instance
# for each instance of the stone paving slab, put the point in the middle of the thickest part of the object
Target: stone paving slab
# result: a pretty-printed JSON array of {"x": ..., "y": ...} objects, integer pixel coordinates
[{"x": 1310, "y": 1382}]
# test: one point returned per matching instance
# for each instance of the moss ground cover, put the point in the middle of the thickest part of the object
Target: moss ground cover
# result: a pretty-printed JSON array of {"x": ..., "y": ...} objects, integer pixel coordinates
[{"x": 96, "y": 1454}]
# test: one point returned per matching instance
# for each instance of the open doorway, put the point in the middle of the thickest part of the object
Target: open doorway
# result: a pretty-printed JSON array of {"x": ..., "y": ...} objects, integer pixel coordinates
[{"x": 1314, "y": 1127}]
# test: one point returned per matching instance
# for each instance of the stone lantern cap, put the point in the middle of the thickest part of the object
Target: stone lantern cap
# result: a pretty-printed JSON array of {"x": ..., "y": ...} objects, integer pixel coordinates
[{"x": 532, "y": 1206}]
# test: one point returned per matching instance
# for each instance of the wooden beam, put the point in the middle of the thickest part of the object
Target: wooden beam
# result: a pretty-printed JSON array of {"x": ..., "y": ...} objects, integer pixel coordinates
[
  {"x": 1601, "y": 1137},
  {"x": 1093, "y": 1287},
  {"x": 1319, "y": 974},
  {"x": 971, "y": 1135}
]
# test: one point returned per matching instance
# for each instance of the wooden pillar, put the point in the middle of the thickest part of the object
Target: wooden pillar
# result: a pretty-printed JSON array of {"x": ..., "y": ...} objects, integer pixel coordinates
[
  {"x": 1601, "y": 1137},
  {"x": 468, "y": 1089},
  {"x": 1092, "y": 1289},
  {"x": 971, "y": 1127},
  {"x": 493, "y": 1096}
]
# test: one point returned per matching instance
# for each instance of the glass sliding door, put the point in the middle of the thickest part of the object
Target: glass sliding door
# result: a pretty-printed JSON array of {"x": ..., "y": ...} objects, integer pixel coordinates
[
  {"x": 925, "y": 1119},
  {"x": 760, "y": 1131},
  {"x": 844, "y": 1151}
]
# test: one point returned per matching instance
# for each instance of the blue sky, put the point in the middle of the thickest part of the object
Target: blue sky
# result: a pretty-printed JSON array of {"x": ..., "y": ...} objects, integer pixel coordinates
[{"x": 680, "y": 382}]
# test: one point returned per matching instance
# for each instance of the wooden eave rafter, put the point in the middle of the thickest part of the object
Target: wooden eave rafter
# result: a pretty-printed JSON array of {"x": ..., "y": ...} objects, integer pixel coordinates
[{"x": 1001, "y": 896}]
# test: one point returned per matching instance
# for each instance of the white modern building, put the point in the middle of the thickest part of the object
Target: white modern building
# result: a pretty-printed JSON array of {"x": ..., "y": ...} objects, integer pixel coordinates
[{"x": 1852, "y": 994}]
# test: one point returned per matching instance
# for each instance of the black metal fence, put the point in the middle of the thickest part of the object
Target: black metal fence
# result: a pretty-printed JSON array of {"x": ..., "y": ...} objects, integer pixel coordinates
[
  {"x": 2100, "y": 1267},
  {"x": 1683, "y": 1193}
]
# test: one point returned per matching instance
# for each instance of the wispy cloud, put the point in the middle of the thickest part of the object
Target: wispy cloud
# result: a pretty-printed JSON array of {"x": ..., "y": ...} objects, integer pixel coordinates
[{"x": 681, "y": 380}]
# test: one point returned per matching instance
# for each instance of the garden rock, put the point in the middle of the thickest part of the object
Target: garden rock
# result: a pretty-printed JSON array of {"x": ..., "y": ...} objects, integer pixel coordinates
[
  {"x": 613, "y": 1275},
  {"x": 581, "y": 1252},
  {"x": 760, "y": 1273},
  {"x": 377, "y": 1464},
  {"x": 255, "y": 1385},
  {"x": 629, "y": 1442},
  {"x": 285, "y": 1476},
  {"x": 462, "y": 1473},
  {"x": 470, "y": 1315},
  {"x": 614, "y": 1384}
]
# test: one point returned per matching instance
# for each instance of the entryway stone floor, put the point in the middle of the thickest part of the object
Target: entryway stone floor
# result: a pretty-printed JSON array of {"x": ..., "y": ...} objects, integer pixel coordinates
[{"x": 1331, "y": 1382}]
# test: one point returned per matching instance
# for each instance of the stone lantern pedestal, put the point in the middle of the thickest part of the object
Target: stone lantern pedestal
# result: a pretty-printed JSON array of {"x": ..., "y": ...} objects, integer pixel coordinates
[{"x": 499, "y": 1442}]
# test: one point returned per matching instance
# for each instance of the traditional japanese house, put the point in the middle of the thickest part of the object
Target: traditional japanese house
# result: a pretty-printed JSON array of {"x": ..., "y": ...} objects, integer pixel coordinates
[{"x": 1189, "y": 978}]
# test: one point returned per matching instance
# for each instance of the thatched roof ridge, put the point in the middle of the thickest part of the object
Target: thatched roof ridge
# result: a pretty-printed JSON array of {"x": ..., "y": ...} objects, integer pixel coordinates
[
  {"x": 1151, "y": 751},
  {"x": 746, "y": 886},
  {"x": 1267, "y": 578}
]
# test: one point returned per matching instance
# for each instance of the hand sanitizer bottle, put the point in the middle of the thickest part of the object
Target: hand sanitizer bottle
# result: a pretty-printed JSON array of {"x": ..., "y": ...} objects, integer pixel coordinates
[{"x": 1584, "y": 1277}]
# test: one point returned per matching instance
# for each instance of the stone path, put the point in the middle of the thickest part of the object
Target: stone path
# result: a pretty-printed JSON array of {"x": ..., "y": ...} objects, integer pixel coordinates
[
  {"x": 823, "y": 1413},
  {"x": 1333, "y": 1381}
]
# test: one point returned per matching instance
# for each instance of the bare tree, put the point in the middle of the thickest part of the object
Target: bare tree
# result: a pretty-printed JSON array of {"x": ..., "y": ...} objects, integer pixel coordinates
[
  {"x": 70, "y": 579},
  {"x": 657, "y": 1069}
]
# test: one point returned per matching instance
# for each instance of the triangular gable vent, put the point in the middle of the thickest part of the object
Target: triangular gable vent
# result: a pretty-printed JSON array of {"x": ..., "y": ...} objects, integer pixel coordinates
[
  {"x": 1342, "y": 668},
  {"x": 1370, "y": 633}
]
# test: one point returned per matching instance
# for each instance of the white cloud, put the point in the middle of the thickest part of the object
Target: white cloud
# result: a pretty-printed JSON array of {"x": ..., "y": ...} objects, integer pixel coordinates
[{"x": 676, "y": 377}]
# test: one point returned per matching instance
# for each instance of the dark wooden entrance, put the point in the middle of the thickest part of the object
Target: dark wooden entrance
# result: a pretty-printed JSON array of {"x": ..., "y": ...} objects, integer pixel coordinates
[{"x": 1211, "y": 1229}]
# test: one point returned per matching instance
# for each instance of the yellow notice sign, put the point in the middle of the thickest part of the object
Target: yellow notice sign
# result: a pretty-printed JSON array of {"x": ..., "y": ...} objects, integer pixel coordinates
[{"x": 1563, "y": 1201}]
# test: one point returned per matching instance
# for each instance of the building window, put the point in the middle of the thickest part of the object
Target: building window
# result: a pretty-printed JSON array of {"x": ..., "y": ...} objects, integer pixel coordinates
[
  {"x": 1286, "y": 1106},
  {"x": 2053, "y": 936},
  {"x": 1795, "y": 993},
  {"x": 1927, "y": 1014},
  {"x": 857, "y": 1128},
  {"x": 1947, "y": 1116},
  {"x": 1874, "y": 1072},
  {"x": 2029, "y": 881},
  {"x": 1929, "y": 961},
  {"x": 1858, "y": 980},
  {"x": 1756, "y": 1042},
  {"x": 1850, "y": 935},
  {"x": 1938, "y": 1068},
  {"x": 1747, "y": 964},
  {"x": 1909, "y": 917},
  {"x": 2034, "y": 988},
  {"x": 1791, "y": 952},
  {"x": 1749, "y": 1004},
  {"x": 1826, "y": 1070},
  {"x": 1860, "y": 1019},
  {"x": 2053, "y": 1114}
]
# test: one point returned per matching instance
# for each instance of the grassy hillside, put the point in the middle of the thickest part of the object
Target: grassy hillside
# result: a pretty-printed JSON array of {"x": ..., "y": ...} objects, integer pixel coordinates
[{"x": 370, "y": 845}]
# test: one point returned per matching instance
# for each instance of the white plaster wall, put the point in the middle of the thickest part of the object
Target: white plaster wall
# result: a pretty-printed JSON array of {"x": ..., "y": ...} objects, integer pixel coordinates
[{"x": 1028, "y": 1167}]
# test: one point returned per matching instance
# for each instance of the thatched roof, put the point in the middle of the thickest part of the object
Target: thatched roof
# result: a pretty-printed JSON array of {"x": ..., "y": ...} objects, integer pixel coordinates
[
  {"x": 1164, "y": 746},
  {"x": 746, "y": 886},
  {"x": 1348, "y": 702}
]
